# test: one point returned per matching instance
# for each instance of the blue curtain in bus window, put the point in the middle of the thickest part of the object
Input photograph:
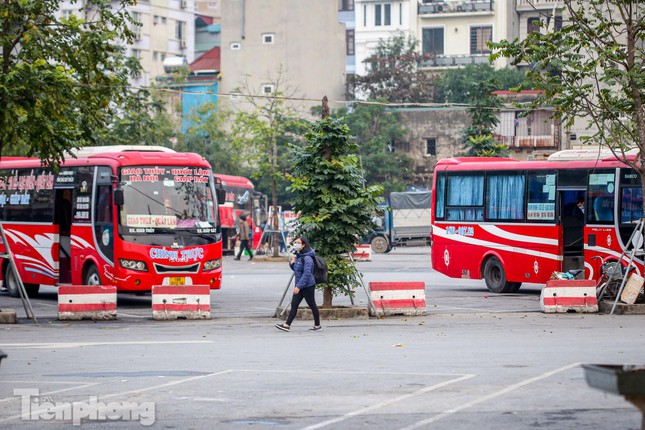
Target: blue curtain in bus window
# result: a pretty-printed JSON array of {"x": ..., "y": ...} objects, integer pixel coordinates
[
  {"x": 632, "y": 205},
  {"x": 505, "y": 197},
  {"x": 439, "y": 193},
  {"x": 468, "y": 192}
]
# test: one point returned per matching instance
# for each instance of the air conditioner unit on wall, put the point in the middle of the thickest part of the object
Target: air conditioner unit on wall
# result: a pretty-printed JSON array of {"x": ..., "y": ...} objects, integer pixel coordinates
[{"x": 183, "y": 44}]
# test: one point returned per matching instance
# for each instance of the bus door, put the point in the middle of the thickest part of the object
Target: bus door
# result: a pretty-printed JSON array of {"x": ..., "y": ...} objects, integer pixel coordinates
[
  {"x": 63, "y": 218},
  {"x": 572, "y": 221}
]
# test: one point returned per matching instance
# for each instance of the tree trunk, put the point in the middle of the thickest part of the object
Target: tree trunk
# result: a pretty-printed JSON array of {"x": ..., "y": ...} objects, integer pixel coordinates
[
  {"x": 327, "y": 297},
  {"x": 274, "y": 195}
]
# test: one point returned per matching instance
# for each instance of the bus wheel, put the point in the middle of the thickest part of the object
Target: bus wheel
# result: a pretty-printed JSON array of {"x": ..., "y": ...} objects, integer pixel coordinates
[
  {"x": 12, "y": 285},
  {"x": 92, "y": 276},
  {"x": 495, "y": 277},
  {"x": 379, "y": 245}
]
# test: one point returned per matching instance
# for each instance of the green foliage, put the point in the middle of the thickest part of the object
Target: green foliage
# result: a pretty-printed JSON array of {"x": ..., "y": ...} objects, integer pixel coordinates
[
  {"x": 142, "y": 120},
  {"x": 478, "y": 136},
  {"x": 393, "y": 73},
  {"x": 591, "y": 68},
  {"x": 60, "y": 79},
  {"x": 376, "y": 132},
  {"x": 461, "y": 85},
  {"x": 335, "y": 208}
]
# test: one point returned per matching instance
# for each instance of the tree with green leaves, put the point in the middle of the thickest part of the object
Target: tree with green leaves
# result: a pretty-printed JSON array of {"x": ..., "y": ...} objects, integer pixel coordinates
[
  {"x": 334, "y": 205},
  {"x": 461, "y": 85},
  {"x": 61, "y": 79},
  {"x": 141, "y": 120},
  {"x": 393, "y": 73},
  {"x": 478, "y": 136},
  {"x": 591, "y": 68},
  {"x": 257, "y": 134}
]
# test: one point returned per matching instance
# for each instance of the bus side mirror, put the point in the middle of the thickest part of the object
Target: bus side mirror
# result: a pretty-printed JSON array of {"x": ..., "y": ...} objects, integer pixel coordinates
[
  {"x": 221, "y": 196},
  {"x": 119, "y": 199}
]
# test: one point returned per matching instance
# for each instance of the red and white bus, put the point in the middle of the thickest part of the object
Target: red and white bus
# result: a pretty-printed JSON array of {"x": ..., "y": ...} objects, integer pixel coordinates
[
  {"x": 128, "y": 216},
  {"x": 509, "y": 222},
  {"x": 241, "y": 197}
]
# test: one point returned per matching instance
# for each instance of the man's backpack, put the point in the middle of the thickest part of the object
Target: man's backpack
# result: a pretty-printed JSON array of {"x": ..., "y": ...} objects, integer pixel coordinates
[{"x": 320, "y": 270}]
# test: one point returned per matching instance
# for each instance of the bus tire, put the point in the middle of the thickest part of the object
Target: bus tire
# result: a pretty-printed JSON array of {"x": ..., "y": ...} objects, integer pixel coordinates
[
  {"x": 12, "y": 286},
  {"x": 495, "y": 276},
  {"x": 380, "y": 245},
  {"x": 92, "y": 276}
]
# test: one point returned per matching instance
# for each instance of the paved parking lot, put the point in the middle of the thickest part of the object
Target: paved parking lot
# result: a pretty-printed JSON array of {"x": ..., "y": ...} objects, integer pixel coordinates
[{"x": 475, "y": 361}]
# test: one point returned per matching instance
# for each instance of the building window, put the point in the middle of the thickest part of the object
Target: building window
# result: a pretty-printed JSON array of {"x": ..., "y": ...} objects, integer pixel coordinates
[
  {"x": 180, "y": 30},
  {"x": 163, "y": 20},
  {"x": 155, "y": 55},
  {"x": 364, "y": 15},
  {"x": 400, "y": 13},
  {"x": 479, "y": 37},
  {"x": 155, "y": 19},
  {"x": 267, "y": 38},
  {"x": 346, "y": 5},
  {"x": 136, "y": 53},
  {"x": 236, "y": 46},
  {"x": 431, "y": 146},
  {"x": 349, "y": 40},
  {"x": 533, "y": 25},
  {"x": 267, "y": 89},
  {"x": 382, "y": 14},
  {"x": 432, "y": 41},
  {"x": 162, "y": 56},
  {"x": 212, "y": 5}
]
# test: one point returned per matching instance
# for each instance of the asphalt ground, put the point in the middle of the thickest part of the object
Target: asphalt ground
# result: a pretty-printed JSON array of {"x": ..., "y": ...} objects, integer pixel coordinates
[{"x": 476, "y": 360}]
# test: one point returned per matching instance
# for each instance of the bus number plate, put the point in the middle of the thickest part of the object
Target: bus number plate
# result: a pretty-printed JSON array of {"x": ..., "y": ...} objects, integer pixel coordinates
[{"x": 178, "y": 280}]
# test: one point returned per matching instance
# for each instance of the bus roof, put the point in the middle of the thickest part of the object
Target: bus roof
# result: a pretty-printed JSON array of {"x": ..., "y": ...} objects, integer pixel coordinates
[
  {"x": 88, "y": 151},
  {"x": 234, "y": 181}
]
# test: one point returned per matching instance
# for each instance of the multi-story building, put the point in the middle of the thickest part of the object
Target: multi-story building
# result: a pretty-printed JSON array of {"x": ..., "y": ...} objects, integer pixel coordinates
[
  {"x": 298, "y": 45},
  {"x": 167, "y": 29},
  {"x": 378, "y": 20}
]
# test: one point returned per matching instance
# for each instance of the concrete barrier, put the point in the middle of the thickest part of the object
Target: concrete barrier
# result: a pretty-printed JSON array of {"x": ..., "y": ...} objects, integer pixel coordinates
[
  {"x": 362, "y": 253},
  {"x": 398, "y": 298},
  {"x": 171, "y": 302},
  {"x": 560, "y": 296},
  {"x": 78, "y": 302}
]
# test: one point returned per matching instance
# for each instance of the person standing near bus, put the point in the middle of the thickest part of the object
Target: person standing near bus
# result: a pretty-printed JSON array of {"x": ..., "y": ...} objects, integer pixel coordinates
[
  {"x": 305, "y": 288},
  {"x": 244, "y": 237}
]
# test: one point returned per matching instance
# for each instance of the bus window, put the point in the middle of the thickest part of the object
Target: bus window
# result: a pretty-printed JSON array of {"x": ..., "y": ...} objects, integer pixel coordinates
[
  {"x": 465, "y": 198},
  {"x": 440, "y": 203},
  {"x": 631, "y": 206},
  {"x": 601, "y": 198},
  {"x": 541, "y": 198},
  {"x": 505, "y": 196}
]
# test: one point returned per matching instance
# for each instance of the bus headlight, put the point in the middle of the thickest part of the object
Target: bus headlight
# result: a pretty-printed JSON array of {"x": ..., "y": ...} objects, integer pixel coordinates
[
  {"x": 133, "y": 265},
  {"x": 213, "y": 264}
]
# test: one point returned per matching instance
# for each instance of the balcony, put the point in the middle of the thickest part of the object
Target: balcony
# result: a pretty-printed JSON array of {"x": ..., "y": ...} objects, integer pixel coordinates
[
  {"x": 433, "y": 7},
  {"x": 533, "y": 5},
  {"x": 528, "y": 141},
  {"x": 454, "y": 60}
]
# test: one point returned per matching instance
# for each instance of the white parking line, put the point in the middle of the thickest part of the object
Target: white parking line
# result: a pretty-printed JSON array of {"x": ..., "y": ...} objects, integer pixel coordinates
[
  {"x": 387, "y": 402},
  {"x": 499, "y": 393},
  {"x": 61, "y": 345}
]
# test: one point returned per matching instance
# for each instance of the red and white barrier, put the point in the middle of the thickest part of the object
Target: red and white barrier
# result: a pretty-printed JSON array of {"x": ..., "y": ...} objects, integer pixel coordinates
[
  {"x": 398, "y": 298},
  {"x": 170, "y": 302},
  {"x": 78, "y": 302},
  {"x": 362, "y": 253},
  {"x": 560, "y": 296}
]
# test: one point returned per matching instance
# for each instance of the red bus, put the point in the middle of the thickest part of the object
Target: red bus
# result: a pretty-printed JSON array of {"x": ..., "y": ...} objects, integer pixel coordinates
[
  {"x": 240, "y": 197},
  {"x": 128, "y": 216},
  {"x": 509, "y": 222}
]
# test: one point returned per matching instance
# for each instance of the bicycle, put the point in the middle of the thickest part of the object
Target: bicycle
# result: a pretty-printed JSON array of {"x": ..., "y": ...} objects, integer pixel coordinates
[{"x": 612, "y": 274}]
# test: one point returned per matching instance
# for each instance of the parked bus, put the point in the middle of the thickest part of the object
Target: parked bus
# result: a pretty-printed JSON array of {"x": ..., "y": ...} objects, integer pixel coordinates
[
  {"x": 509, "y": 222},
  {"x": 128, "y": 216},
  {"x": 241, "y": 197}
]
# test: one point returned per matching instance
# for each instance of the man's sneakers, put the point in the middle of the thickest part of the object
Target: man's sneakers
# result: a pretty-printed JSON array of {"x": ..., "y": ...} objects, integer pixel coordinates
[
  {"x": 314, "y": 328},
  {"x": 282, "y": 327}
]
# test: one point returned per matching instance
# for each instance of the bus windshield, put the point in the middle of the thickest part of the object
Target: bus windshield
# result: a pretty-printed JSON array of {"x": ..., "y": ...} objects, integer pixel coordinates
[{"x": 162, "y": 198}]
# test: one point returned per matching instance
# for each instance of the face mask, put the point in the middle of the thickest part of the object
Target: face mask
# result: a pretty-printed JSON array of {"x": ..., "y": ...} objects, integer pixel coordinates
[{"x": 297, "y": 246}]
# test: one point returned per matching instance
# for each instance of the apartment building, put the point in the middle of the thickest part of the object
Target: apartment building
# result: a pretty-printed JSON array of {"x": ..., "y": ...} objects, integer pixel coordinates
[
  {"x": 167, "y": 30},
  {"x": 299, "y": 42}
]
